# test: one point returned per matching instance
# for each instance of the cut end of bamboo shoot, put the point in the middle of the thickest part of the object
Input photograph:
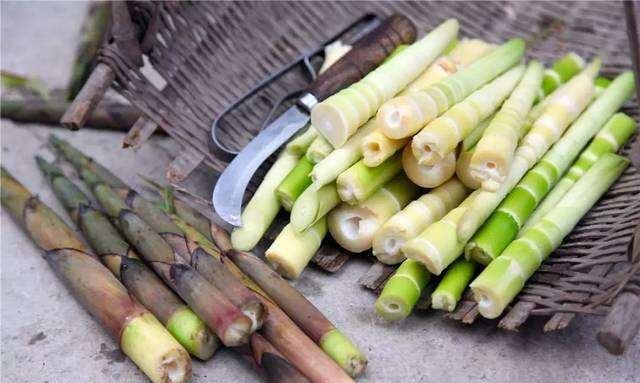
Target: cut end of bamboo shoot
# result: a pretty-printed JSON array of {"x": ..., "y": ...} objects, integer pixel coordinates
[
  {"x": 255, "y": 312},
  {"x": 353, "y": 227},
  {"x": 424, "y": 253},
  {"x": 399, "y": 117},
  {"x": 331, "y": 123},
  {"x": 155, "y": 351},
  {"x": 343, "y": 352},
  {"x": 388, "y": 242},
  {"x": 428, "y": 176},
  {"x": 443, "y": 301},
  {"x": 193, "y": 334}
]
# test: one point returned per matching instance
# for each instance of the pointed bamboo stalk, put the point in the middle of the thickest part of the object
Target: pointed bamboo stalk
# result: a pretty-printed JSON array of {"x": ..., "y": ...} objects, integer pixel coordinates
[
  {"x": 502, "y": 226},
  {"x": 613, "y": 135},
  {"x": 268, "y": 285},
  {"x": 402, "y": 291},
  {"x": 319, "y": 149},
  {"x": 476, "y": 134},
  {"x": 443, "y": 134},
  {"x": 140, "y": 335},
  {"x": 353, "y": 227},
  {"x": 568, "y": 103},
  {"x": 359, "y": 182},
  {"x": 291, "y": 251},
  {"x": 339, "y": 160},
  {"x": 312, "y": 205},
  {"x": 413, "y": 219},
  {"x": 494, "y": 152},
  {"x": 405, "y": 115},
  {"x": 338, "y": 117},
  {"x": 377, "y": 147},
  {"x": 453, "y": 283},
  {"x": 503, "y": 279},
  {"x": 428, "y": 176},
  {"x": 124, "y": 263}
]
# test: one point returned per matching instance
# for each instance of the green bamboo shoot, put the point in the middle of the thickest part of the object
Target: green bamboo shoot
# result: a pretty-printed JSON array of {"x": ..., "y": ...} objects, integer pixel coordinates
[
  {"x": 402, "y": 291},
  {"x": 413, "y": 219},
  {"x": 340, "y": 115},
  {"x": 453, "y": 283},
  {"x": 405, "y": 115},
  {"x": 359, "y": 182},
  {"x": 615, "y": 133},
  {"x": 494, "y": 152},
  {"x": 291, "y": 251},
  {"x": 425, "y": 175},
  {"x": 294, "y": 183},
  {"x": 263, "y": 207},
  {"x": 353, "y": 227},
  {"x": 503, "y": 279},
  {"x": 440, "y": 136},
  {"x": 502, "y": 226}
]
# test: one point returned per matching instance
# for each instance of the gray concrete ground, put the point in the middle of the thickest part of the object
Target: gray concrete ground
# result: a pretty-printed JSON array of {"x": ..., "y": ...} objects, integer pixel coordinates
[{"x": 47, "y": 337}]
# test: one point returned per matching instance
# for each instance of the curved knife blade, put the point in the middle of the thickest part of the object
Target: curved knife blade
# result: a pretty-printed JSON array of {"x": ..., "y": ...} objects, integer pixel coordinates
[{"x": 229, "y": 190}]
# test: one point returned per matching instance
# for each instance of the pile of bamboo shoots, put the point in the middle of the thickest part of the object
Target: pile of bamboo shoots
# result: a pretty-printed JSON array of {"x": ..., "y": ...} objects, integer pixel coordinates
[
  {"x": 468, "y": 177},
  {"x": 164, "y": 281}
]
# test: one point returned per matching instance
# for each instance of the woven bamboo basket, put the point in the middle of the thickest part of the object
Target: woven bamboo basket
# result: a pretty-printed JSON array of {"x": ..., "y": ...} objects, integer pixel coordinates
[{"x": 209, "y": 54}]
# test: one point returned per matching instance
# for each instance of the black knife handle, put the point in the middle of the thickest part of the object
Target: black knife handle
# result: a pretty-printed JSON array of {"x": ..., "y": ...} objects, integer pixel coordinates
[{"x": 367, "y": 53}]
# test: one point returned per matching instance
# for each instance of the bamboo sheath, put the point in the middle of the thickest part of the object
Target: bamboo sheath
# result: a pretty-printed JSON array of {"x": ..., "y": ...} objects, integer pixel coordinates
[
  {"x": 140, "y": 335},
  {"x": 164, "y": 248},
  {"x": 125, "y": 264},
  {"x": 277, "y": 328}
]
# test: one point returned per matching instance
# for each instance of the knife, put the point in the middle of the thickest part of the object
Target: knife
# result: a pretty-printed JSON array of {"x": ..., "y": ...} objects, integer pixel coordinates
[{"x": 367, "y": 53}]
